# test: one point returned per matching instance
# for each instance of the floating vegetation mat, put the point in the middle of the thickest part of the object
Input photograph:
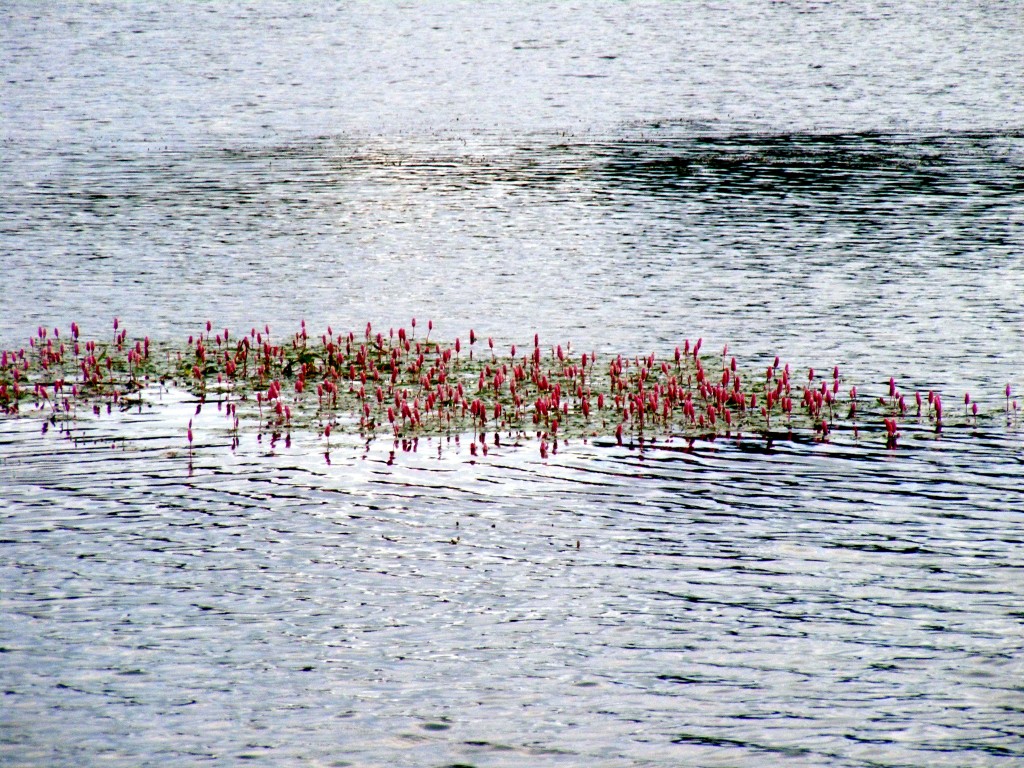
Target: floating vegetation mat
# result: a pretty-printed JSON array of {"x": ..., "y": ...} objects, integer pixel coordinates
[{"x": 403, "y": 384}]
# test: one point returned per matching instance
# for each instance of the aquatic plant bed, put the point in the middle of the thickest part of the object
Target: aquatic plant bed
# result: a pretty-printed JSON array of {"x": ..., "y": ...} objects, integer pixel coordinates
[{"x": 403, "y": 384}]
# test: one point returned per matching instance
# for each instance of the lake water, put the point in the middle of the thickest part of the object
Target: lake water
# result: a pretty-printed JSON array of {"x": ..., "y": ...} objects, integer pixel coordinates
[{"x": 836, "y": 185}]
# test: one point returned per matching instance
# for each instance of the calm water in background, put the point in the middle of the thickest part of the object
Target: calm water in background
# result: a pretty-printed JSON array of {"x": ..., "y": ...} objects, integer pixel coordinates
[{"x": 832, "y": 185}]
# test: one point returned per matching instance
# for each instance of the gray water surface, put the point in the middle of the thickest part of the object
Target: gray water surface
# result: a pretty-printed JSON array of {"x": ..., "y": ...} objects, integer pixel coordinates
[
  {"x": 835, "y": 185},
  {"x": 832, "y": 604}
]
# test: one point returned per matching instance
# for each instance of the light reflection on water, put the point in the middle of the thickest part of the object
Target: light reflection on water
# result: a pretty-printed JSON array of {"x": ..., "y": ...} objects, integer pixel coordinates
[{"x": 896, "y": 255}]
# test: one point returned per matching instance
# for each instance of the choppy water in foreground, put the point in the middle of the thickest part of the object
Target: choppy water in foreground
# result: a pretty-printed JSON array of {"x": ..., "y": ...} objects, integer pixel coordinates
[
  {"x": 836, "y": 604},
  {"x": 833, "y": 185}
]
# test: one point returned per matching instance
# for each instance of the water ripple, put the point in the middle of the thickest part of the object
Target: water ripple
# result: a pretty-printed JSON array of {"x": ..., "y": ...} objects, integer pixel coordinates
[{"x": 834, "y": 604}]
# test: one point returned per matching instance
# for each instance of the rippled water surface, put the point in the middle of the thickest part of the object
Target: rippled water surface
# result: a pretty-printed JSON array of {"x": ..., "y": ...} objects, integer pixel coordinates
[{"x": 835, "y": 185}]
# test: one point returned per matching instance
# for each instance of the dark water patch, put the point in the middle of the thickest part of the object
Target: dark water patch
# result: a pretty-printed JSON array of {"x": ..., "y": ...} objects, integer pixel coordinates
[
  {"x": 861, "y": 167},
  {"x": 687, "y": 738},
  {"x": 973, "y": 174}
]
